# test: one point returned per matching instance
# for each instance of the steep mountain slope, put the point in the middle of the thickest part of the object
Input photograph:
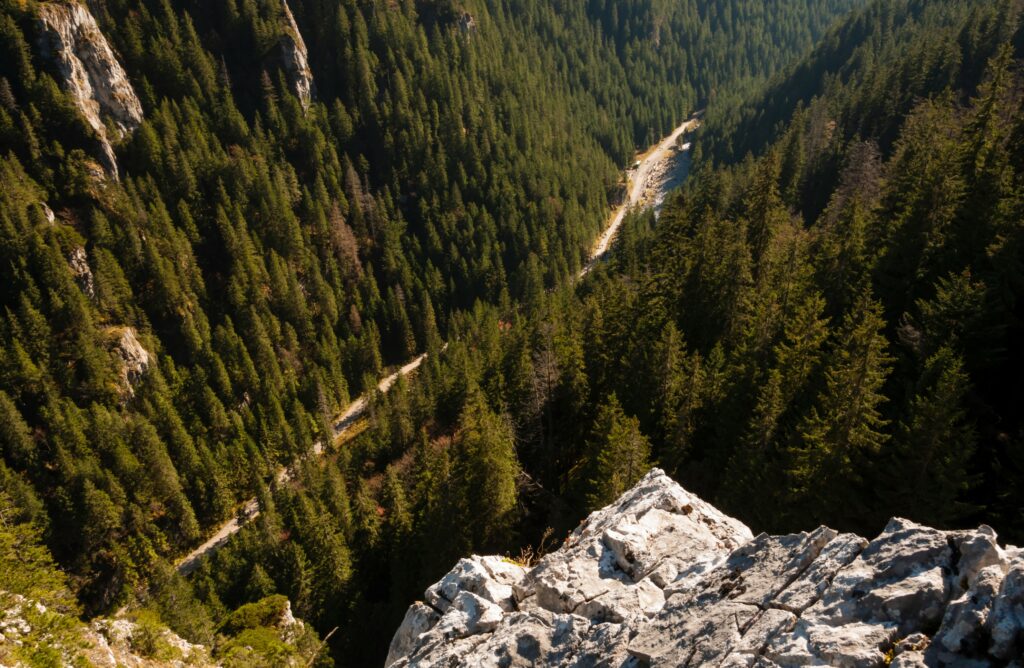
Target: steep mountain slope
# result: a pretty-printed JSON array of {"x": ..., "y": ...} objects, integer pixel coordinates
[
  {"x": 40, "y": 625},
  {"x": 871, "y": 70},
  {"x": 661, "y": 578},
  {"x": 221, "y": 220},
  {"x": 835, "y": 326},
  {"x": 828, "y": 332}
]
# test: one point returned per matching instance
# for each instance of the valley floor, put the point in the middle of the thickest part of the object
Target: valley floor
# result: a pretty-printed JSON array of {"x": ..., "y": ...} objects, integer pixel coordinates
[{"x": 661, "y": 168}]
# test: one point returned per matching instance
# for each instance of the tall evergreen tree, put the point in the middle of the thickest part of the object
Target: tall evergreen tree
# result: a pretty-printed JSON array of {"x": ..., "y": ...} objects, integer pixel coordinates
[
  {"x": 619, "y": 454},
  {"x": 928, "y": 472},
  {"x": 486, "y": 464},
  {"x": 845, "y": 426}
]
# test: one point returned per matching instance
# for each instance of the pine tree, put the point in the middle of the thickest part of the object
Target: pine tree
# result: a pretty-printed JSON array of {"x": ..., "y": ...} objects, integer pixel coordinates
[
  {"x": 756, "y": 466},
  {"x": 842, "y": 235},
  {"x": 26, "y": 566},
  {"x": 487, "y": 465},
  {"x": 845, "y": 425},
  {"x": 15, "y": 440},
  {"x": 260, "y": 584},
  {"x": 682, "y": 392},
  {"x": 933, "y": 446},
  {"x": 619, "y": 454}
]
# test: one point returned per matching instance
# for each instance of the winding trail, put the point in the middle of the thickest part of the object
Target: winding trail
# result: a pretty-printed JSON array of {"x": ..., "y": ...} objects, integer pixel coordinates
[
  {"x": 661, "y": 169},
  {"x": 250, "y": 510}
]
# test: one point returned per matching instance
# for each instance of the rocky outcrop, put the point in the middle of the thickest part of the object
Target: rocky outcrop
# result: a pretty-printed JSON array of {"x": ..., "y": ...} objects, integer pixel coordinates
[
  {"x": 29, "y": 629},
  {"x": 48, "y": 212},
  {"x": 661, "y": 578},
  {"x": 295, "y": 58},
  {"x": 30, "y": 632},
  {"x": 90, "y": 73},
  {"x": 467, "y": 23},
  {"x": 134, "y": 359},
  {"x": 78, "y": 262}
]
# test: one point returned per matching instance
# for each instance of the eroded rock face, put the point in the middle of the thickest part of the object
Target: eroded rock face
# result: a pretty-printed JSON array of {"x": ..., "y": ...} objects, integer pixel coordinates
[
  {"x": 90, "y": 72},
  {"x": 78, "y": 262},
  {"x": 296, "y": 58},
  {"x": 661, "y": 578},
  {"x": 134, "y": 360}
]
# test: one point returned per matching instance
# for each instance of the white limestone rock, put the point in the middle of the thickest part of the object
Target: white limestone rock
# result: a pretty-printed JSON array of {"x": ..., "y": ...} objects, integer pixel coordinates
[
  {"x": 1005, "y": 624},
  {"x": 90, "y": 73},
  {"x": 134, "y": 359},
  {"x": 296, "y": 58},
  {"x": 78, "y": 262},
  {"x": 491, "y": 578},
  {"x": 661, "y": 578},
  {"x": 657, "y": 529},
  {"x": 966, "y": 617},
  {"x": 419, "y": 619},
  {"x": 813, "y": 582}
]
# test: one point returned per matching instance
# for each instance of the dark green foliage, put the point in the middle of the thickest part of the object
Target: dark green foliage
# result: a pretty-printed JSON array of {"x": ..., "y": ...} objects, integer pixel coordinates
[
  {"x": 831, "y": 331},
  {"x": 619, "y": 454},
  {"x": 445, "y": 184},
  {"x": 26, "y": 567},
  {"x": 264, "y": 612}
]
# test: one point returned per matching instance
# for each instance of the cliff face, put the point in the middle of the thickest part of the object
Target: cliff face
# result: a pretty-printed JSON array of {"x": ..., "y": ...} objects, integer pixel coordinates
[
  {"x": 661, "y": 578},
  {"x": 296, "y": 58},
  {"x": 90, "y": 73}
]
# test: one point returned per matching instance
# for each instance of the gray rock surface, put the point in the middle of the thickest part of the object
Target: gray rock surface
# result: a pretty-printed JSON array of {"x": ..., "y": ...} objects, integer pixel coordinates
[
  {"x": 134, "y": 359},
  {"x": 90, "y": 73},
  {"x": 662, "y": 578},
  {"x": 296, "y": 58},
  {"x": 78, "y": 262}
]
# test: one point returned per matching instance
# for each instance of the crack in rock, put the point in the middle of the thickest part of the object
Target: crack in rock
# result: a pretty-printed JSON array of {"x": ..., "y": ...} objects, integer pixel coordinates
[{"x": 662, "y": 578}]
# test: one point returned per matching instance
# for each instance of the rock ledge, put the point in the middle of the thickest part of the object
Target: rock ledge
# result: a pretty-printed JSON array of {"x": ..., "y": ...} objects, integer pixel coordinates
[{"x": 662, "y": 578}]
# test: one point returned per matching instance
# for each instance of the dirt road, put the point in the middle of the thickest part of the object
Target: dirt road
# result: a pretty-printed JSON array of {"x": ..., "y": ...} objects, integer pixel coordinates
[
  {"x": 250, "y": 510},
  {"x": 661, "y": 169}
]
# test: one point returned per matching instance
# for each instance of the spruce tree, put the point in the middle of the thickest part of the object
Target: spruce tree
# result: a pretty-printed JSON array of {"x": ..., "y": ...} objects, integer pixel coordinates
[
  {"x": 933, "y": 445},
  {"x": 488, "y": 468},
  {"x": 619, "y": 454},
  {"x": 845, "y": 425}
]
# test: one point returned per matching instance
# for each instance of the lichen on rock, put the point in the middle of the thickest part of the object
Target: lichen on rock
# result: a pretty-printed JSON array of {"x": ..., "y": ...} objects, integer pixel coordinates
[{"x": 662, "y": 578}]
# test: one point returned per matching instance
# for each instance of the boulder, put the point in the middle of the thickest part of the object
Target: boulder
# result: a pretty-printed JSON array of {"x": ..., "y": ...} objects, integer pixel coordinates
[
  {"x": 419, "y": 619},
  {"x": 1005, "y": 625},
  {"x": 661, "y": 578},
  {"x": 491, "y": 578}
]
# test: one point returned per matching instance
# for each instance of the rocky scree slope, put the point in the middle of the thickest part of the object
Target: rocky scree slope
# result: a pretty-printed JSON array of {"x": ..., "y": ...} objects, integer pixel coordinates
[{"x": 662, "y": 578}]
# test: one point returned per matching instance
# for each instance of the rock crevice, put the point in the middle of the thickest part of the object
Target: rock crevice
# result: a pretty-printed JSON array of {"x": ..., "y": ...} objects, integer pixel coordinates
[{"x": 662, "y": 578}]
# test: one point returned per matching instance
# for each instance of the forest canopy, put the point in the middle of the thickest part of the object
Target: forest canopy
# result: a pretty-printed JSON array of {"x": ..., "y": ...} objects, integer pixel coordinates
[{"x": 823, "y": 325}]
